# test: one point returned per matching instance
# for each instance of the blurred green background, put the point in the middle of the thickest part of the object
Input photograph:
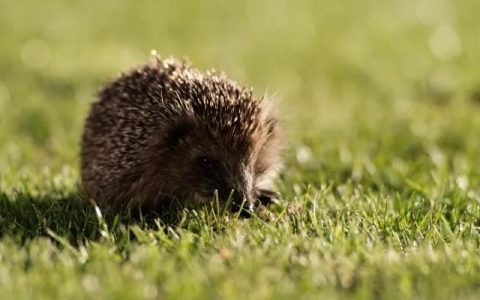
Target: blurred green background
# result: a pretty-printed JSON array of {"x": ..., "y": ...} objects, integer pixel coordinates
[{"x": 378, "y": 71}]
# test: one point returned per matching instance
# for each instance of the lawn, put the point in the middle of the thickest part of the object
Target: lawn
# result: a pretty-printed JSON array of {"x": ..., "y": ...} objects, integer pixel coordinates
[{"x": 381, "y": 181}]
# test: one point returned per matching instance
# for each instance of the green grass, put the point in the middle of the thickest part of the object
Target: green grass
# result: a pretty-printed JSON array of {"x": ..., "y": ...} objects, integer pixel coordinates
[{"x": 381, "y": 184}]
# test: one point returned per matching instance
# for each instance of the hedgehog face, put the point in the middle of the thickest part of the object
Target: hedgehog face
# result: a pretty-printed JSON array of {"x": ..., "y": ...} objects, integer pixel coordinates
[
  {"x": 206, "y": 161},
  {"x": 205, "y": 164},
  {"x": 229, "y": 178}
]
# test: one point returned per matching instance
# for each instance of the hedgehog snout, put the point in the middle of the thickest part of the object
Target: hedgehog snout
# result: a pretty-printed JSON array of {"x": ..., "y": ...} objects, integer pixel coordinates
[{"x": 242, "y": 191}]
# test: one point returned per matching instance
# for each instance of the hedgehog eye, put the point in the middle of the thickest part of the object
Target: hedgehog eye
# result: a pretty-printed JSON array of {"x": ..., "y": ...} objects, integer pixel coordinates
[{"x": 206, "y": 162}]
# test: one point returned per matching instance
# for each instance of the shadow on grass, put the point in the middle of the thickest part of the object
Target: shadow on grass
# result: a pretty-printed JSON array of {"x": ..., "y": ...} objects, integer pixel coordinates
[{"x": 26, "y": 216}]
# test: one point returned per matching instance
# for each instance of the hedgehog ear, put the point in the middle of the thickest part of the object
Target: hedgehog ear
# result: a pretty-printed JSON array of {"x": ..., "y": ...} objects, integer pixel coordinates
[{"x": 178, "y": 132}]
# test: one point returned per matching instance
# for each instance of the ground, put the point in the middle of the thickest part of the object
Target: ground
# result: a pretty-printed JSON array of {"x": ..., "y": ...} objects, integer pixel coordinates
[{"x": 381, "y": 182}]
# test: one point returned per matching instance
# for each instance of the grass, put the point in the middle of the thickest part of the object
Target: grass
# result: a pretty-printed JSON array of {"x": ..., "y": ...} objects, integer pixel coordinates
[{"x": 381, "y": 185}]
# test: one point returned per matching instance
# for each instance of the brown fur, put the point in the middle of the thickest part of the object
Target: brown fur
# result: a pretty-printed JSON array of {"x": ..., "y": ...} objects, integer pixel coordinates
[{"x": 168, "y": 131}]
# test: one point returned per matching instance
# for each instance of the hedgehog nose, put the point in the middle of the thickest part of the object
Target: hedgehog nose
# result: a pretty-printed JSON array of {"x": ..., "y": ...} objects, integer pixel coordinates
[
  {"x": 239, "y": 197},
  {"x": 242, "y": 201}
]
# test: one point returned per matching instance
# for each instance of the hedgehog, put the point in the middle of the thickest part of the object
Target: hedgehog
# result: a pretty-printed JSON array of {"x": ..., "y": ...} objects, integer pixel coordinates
[{"x": 166, "y": 132}]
